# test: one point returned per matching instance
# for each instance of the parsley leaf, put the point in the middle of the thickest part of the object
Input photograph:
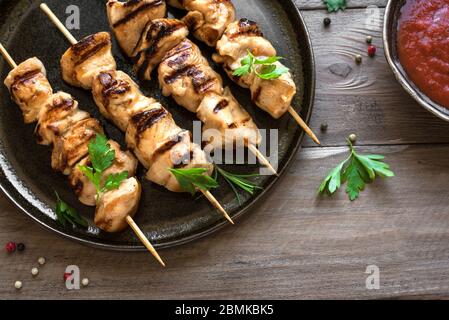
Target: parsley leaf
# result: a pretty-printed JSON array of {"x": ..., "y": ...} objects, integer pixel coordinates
[
  {"x": 66, "y": 214},
  {"x": 195, "y": 178},
  {"x": 101, "y": 154},
  {"x": 335, "y": 5},
  {"x": 102, "y": 157},
  {"x": 264, "y": 68},
  {"x": 356, "y": 171},
  {"x": 113, "y": 181}
]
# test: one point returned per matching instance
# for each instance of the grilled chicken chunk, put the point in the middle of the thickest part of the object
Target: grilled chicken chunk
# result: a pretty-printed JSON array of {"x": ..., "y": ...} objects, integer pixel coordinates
[
  {"x": 151, "y": 132},
  {"x": 85, "y": 59},
  {"x": 129, "y": 18},
  {"x": 29, "y": 88},
  {"x": 224, "y": 114},
  {"x": 241, "y": 36},
  {"x": 71, "y": 147},
  {"x": 59, "y": 114},
  {"x": 159, "y": 37},
  {"x": 114, "y": 206},
  {"x": 187, "y": 76},
  {"x": 273, "y": 96},
  {"x": 179, "y": 153},
  {"x": 85, "y": 189},
  {"x": 207, "y": 19}
]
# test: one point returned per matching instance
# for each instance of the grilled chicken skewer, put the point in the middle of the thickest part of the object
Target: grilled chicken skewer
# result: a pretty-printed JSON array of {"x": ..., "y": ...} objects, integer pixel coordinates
[
  {"x": 189, "y": 78},
  {"x": 69, "y": 130},
  {"x": 151, "y": 132},
  {"x": 212, "y": 21}
]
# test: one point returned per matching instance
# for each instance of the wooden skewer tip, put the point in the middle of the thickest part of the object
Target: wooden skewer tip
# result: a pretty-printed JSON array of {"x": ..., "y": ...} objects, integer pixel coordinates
[
  {"x": 262, "y": 158},
  {"x": 144, "y": 239},
  {"x": 217, "y": 205},
  {"x": 304, "y": 125},
  {"x": 7, "y": 57},
  {"x": 58, "y": 23}
]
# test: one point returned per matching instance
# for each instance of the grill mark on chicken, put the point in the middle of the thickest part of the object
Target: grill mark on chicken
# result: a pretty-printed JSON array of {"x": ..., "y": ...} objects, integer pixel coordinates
[
  {"x": 221, "y": 105},
  {"x": 136, "y": 12},
  {"x": 167, "y": 146},
  {"x": 111, "y": 86},
  {"x": 200, "y": 82},
  {"x": 184, "y": 46},
  {"x": 25, "y": 78},
  {"x": 162, "y": 32},
  {"x": 146, "y": 119},
  {"x": 247, "y": 28},
  {"x": 81, "y": 48}
]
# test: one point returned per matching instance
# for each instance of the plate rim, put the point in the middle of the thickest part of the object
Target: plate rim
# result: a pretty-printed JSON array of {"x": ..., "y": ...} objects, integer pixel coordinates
[{"x": 7, "y": 187}]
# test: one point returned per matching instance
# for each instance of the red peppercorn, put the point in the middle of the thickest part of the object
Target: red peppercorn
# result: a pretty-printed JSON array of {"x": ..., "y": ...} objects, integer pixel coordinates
[
  {"x": 372, "y": 51},
  {"x": 11, "y": 247},
  {"x": 67, "y": 275}
]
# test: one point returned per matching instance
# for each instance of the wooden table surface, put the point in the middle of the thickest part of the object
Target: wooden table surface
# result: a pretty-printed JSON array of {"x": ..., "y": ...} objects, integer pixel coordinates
[{"x": 294, "y": 245}]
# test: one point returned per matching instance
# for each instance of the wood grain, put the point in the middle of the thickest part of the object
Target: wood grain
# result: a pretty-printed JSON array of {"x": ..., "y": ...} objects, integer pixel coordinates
[
  {"x": 318, "y": 4},
  {"x": 366, "y": 99},
  {"x": 294, "y": 244}
]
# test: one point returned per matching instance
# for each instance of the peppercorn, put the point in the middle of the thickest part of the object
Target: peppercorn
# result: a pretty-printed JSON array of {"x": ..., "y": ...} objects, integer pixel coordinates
[
  {"x": 353, "y": 138},
  {"x": 35, "y": 272},
  {"x": 66, "y": 276},
  {"x": 20, "y": 247},
  {"x": 372, "y": 51},
  {"x": 10, "y": 247},
  {"x": 324, "y": 126},
  {"x": 41, "y": 261},
  {"x": 358, "y": 59},
  {"x": 327, "y": 22},
  {"x": 85, "y": 282},
  {"x": 18, "y": 285},
  {"x": 369, "y": 39}
]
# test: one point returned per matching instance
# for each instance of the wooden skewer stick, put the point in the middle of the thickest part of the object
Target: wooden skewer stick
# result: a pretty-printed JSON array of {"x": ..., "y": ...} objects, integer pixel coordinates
[
  {"x": 217, "y": 205},
  {"x": 144, "y": 239},
  {"x": 7, "y": 57},
  {"x": 262, "y": 158},
  {"x": 73, "y": 41},
  {"x": 130, "y": 220},
  {"x": 58, "y": 23},
  {"x": 304, "y": 125}
]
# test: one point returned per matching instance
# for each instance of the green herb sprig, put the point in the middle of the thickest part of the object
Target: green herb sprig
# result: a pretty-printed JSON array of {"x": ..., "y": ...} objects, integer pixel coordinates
[
  {"x": 239, "y": 181},
  {"x": 335, "y": 5},
  {"x": 102, "y": 157},
  {"x": 193, "y": 179},
  {"x": 265, "y": 68},
  {"x": 66, "y": 214},
  {"x": 357, "y": 171}
]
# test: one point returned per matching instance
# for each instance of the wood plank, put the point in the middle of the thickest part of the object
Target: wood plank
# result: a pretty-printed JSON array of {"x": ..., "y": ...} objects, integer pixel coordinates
[
  {"x": 293, "y": 245},
  {"x": 318, "y": 4},
  {"x": 366, "y": 99}
]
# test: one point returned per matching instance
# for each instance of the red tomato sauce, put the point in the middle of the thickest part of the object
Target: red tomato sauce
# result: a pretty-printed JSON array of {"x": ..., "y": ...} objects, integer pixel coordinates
[{"x": 423, "y": 46}]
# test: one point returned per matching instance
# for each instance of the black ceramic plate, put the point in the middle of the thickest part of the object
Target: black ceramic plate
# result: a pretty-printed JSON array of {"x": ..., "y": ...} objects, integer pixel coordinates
[
  {"x": 392, "y": 15},
  {"x": 168, "y": 219}
]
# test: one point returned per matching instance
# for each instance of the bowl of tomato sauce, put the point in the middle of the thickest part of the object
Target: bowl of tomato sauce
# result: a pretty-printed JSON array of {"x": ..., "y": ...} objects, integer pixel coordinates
[{"x": 416, "y": 41}]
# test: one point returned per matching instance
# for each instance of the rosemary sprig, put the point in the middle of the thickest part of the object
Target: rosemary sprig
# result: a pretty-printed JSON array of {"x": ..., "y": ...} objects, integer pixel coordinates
[{"x": 239, "y": 181}]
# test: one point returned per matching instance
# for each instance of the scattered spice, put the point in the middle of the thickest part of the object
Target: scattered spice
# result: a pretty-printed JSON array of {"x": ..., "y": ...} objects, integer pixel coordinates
[
  {"x": 10, "y": 247},
  {"x": 327, "y": 22},
  {"x": 20, "y": 247},
  {"x": 41, "y": 261},
  {"x": 358, "y": 59},
  {"x": 35, "y": 272},
  {"x": 85, "y": 282},
  {"x": 369, "y": 39},
  {"x": 324, "y": 126},
  {"x": 66, "y": 276},
  {"x": 353, "y": 138},
  {"x": 372, "y": 51},
  {"x": 18, "y": 285}
]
